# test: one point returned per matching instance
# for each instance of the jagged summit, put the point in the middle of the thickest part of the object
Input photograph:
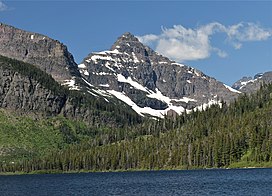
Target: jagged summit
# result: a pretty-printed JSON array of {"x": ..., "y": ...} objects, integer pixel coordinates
[
  {"x": 149, "y": 82},
  {"x": 128, "y": 43},
  {"x": 127, "y": 37}
]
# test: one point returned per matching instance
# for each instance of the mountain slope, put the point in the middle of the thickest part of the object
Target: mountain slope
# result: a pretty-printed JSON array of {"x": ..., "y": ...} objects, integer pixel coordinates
[
  {"x": 251, "y": 85},
  {"x": 27, "y": 90},
  {"x": 148, "y": 82},
  {"x": 131, "y": 72},
  {"x": 238, "y": 135},
  {"x": 48, "y": 54}
]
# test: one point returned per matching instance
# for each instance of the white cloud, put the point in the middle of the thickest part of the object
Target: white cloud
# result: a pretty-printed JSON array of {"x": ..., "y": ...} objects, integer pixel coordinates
[
  {"x": 148, "y": 38},
  {"x": 248, "y": 32},
  {"x": 244, "y": 32},
  {"x": 182, "y": 44},
  {"x": 3, "y": 6}
]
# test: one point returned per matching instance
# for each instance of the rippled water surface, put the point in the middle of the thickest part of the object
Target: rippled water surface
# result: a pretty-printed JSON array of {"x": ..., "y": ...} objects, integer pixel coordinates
[{"x": 193, "y": 182}]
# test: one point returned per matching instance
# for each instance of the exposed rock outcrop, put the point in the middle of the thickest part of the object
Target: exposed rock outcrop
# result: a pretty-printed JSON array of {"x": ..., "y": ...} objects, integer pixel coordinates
[
  {"x": 149, "y": 82},
  {"x": 35, "y": 93},
  {"x": 48, "y": 54},
  {"x": 251, "y": 85}
]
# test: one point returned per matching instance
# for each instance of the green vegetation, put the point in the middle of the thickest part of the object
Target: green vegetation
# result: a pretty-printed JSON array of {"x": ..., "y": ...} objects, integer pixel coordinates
[
  {"x": 238, "y": 135},
  {"x": 113, "y": 138}
]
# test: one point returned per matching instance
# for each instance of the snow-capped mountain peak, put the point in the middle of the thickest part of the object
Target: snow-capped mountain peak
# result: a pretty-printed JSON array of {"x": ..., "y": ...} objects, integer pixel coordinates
[{"x": 148, "y": 82}]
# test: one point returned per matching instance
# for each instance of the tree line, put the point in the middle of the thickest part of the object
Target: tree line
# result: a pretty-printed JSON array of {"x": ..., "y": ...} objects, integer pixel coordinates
[{"x": 218, "y": 137}]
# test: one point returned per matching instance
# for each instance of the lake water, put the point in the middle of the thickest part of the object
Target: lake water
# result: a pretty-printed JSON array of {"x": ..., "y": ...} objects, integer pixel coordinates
[{"x": 192, "y": 182}]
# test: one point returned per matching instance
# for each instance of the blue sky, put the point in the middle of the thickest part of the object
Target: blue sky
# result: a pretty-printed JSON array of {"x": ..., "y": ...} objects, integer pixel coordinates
[{"x": 225, "y": 39}]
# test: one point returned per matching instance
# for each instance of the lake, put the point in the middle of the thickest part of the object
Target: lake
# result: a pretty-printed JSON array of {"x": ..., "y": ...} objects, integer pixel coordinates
[{"x": 191, "y": 182}]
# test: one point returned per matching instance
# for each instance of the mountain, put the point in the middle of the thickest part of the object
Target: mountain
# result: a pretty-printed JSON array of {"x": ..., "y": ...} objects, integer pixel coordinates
[
  {"x": 251, "y": 85},
  {"x": 58, "y": 116},
  {"x": 129, "y": 73},
  {"x": 48, "y": 54},
  {"x": 27, "y": 90},
  {"x": 149, "y": 82},
  {"x": 234, "y": 135}
]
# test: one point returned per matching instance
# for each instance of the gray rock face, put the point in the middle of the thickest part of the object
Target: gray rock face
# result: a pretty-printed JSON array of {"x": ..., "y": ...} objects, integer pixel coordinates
[
  {"x": 251, "y": 85},
  {"x": 23, "y": 95},
  {"x": 149, "y": 79},
  {"x": 48, "y": 54}
]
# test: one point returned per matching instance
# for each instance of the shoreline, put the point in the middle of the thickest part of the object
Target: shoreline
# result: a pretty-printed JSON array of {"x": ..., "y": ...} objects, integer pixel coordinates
[{"x": 37, "y": 172}]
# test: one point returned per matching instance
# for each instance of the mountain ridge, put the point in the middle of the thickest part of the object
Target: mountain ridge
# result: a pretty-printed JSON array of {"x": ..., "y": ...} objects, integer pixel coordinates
[
  {"x": 89, "y": 124},
  {"x": 149, "y": 82},
  {"x": 27, "y": 90},
  {"x": 248, "y": 84},
  {"x": 48, "y": 54},
  {"x": 129, "y": 73}
]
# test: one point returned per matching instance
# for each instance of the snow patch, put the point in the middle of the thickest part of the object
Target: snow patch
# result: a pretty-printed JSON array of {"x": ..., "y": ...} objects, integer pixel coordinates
[
  {"x": 231, "y": 89},
  {"x": 71, "y": 84},
  {"x": 128, "y": 80},
  {"x": 163, "y": 62},
  {"x": 102, "y": 74},
  {"x": 101, "y": 92},
  {"x": 181, "y": 65},
  {"x": 145, "y": 110},
  {"x": 188, "y": 81},
  {"x": 86, "y": 73},
  {"x": 107, "y": 52},
  {"x": 207, "y": 105},
  {"x": 108, "y": 67},
  {"x": 99, "y": 57},
  {"x": 32, "y": 37},
  {"x": 82, "y": 66},
  {"x": 135, "y": 59},
  {"x": 158, "y": 95},
  {"x": 89, "y": 84},
  {"x": 184, "y": 99},
  {"x": 246, "y": 82},
  {"x": 104, "y": 85},
  {"x": 197, "y": 73}
]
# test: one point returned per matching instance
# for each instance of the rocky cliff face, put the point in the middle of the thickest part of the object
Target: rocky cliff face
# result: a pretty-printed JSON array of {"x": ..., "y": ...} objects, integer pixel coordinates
[
  {"x": 49, "y": 55},
  {"x": 24, "y": 95},
  {"x": 251, "y": 85},
  {"x": 150, "y": 83},
  {"x": 26, "y": 90}
]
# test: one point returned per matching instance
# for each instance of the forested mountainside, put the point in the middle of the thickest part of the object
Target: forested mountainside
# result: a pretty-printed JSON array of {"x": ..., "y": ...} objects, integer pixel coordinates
[
  {"x": 57, "y": 116},
  {"x": 228, "y": 136}
]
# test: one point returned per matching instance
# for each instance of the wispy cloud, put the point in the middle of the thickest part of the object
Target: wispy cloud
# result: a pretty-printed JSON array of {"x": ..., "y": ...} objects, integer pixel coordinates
[
  {"x": 3, "y": 6},
  {"x": 244, "y": 32},
  {"x": 183, "y": 44}
]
